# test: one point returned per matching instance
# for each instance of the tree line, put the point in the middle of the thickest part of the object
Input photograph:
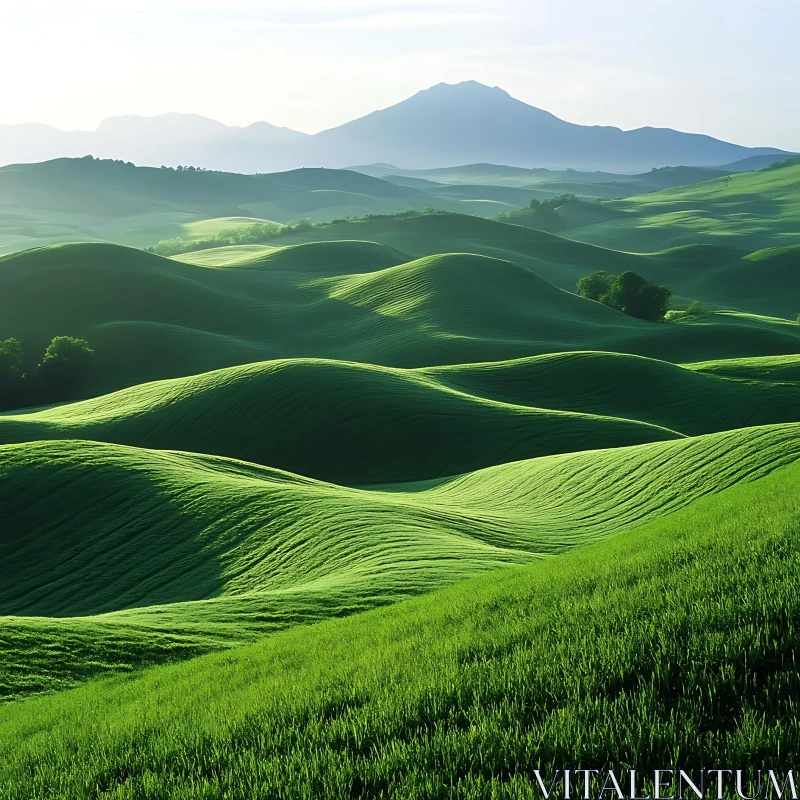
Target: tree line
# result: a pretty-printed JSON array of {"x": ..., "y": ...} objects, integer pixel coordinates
[
  {"x": 536, "y": 207},
  {"x": 254, "y": 233},
  {"x": 266, "y": 231},
  {"x": 60, "y": 374}
]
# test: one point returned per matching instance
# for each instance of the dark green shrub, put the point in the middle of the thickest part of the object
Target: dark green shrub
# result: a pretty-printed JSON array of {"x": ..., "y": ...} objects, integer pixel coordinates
[
  {"x": 636, "y": 296},
  {"x": 630, "y": 293},
  {"x": 63, "y": 368},
  {"x": 11, "y": 373},
  {"x": 596, "y": 285}
]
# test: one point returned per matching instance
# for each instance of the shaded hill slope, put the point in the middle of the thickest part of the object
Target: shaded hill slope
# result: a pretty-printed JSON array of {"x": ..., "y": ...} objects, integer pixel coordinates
[
  {"x": 316, "y": 179},
  {"x": 632, "y": 387}
]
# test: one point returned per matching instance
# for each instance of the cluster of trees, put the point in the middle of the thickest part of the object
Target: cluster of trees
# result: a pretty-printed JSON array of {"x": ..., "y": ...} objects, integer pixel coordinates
[
  {"x": 255, "y": 233},
  {"x": 536, "y": 208},
  {"x": 60, "y": 375},
  {"x": 407, "y": 214},
  {"x": 108, "y": 161},
  {"x": 181, "y": 168},
  {"x": 793, "y": 161},
  {"x": 630, "y": 293},
  {"x": 553, "y": 203}
]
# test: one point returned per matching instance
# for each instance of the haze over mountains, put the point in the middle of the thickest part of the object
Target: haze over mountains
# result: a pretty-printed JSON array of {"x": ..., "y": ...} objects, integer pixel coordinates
[{"x": 446, "y": 125}]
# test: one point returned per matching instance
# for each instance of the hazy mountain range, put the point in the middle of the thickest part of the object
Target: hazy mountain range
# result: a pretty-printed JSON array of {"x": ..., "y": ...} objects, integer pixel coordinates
[{"x": 446, "y": 125}]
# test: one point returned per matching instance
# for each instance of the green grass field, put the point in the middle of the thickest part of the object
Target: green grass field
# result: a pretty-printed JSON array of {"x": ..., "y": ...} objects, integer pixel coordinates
[
  {"x": 182, "y": 552},
  {"x": 672, "y": 643},
  {"x": 357, "y": 424},
  {"x": 381, "y": 508},
  {"x": 749, "y": 211}
]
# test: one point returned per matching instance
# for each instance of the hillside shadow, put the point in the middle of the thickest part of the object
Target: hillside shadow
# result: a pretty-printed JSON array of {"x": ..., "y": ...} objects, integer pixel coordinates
[{"x": 88, "y": 530}]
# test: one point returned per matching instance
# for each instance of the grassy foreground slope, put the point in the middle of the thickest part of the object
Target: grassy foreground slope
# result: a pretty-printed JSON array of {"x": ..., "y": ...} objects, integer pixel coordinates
[
  {"x": 179, "y": 552},
  {"x": 150, "y": 317},
  {"x": 359, "y": 424},
  {"x": 597, "y": 658}
]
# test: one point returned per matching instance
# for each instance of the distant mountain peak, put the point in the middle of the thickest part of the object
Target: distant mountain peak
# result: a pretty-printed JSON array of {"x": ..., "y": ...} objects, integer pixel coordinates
[
  {"x": 464, "y": 89},
  {"x": 447, "y": 124},
  {"x": 475, "y": 86}
]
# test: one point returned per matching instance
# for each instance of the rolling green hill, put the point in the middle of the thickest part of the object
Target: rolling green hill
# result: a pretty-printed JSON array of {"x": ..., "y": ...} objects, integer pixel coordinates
[
  {"x": 786, "y": 369},
  {"x": 89, "y": 199},
  {"x": 713, "y": 270},
  {"x": 342, "y": 422},
  {"x": 84, "y": 199},
  {"x": 323, "y": 420},
  {"x": 180, "y": 552},
  {"x": 149, "y": 317},
  {"x": 358, "y": 424},
  {"x": 336, "y": 180},
  {"x": 749, "y": 211},
  {"x": 578, "y": 660},
  {"x": 547, "y": 183}
]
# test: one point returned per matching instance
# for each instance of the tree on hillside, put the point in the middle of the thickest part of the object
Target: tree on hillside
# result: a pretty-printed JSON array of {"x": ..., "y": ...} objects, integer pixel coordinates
[
  {"x": 630, "y": 293},
  {"x": 60, "y": 375},
  {"x": 63, "y": 368},
  {"x": 11, "y": 375},
  {"x": 638, "y": 297},
  {"x": 594, "y": 286},
  {"x": 559, "y": 200}
]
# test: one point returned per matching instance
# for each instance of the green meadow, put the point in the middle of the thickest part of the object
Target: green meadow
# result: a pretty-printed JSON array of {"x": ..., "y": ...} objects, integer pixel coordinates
[
  {"x": 365, "y": 501},
  {"x": 752, "y": 211},
  {"x": 674, "y": 642}
]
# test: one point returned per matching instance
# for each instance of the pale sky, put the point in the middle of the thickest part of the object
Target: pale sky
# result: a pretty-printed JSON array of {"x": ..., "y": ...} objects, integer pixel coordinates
[{"x": 729, "y": 68}]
